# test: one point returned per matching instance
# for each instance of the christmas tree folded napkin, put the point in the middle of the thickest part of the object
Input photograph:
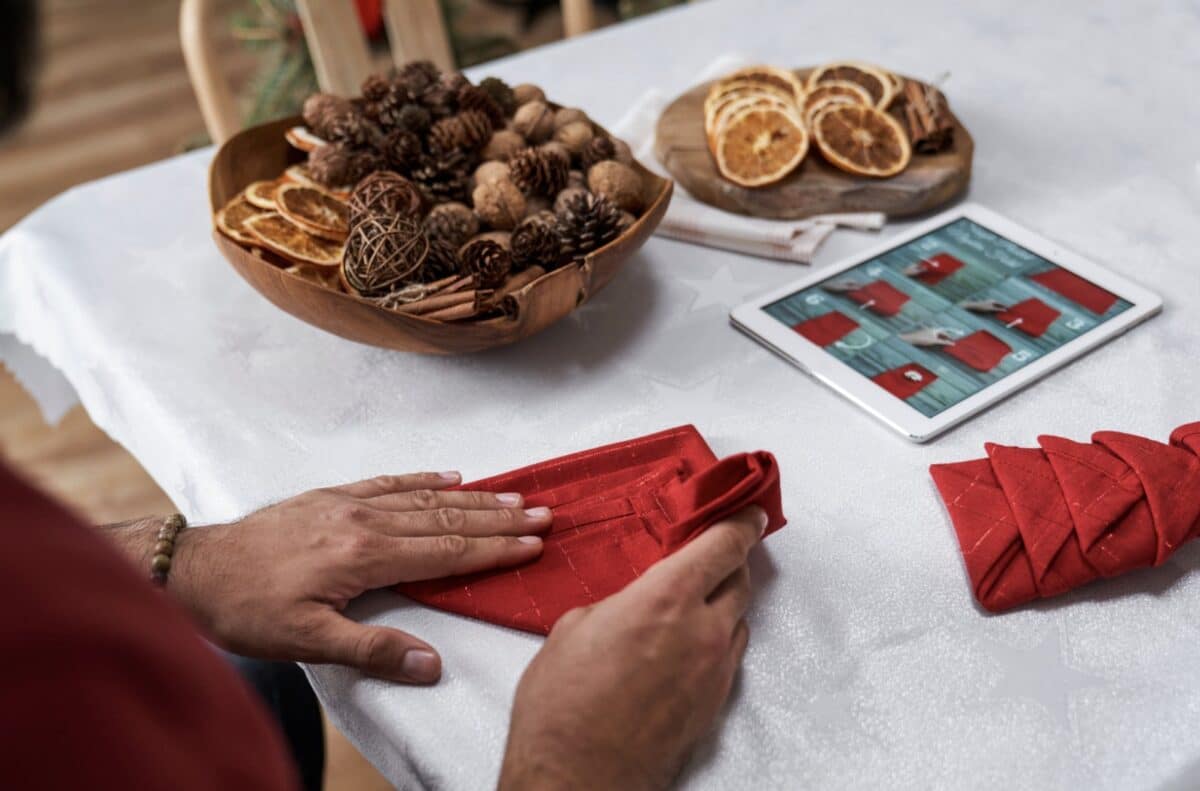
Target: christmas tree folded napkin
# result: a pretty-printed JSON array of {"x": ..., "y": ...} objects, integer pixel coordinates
[
  {"x": 689, "y": 220},
  {"x": 1037, "y": 522},
  {"x": 618, "y": 510}
]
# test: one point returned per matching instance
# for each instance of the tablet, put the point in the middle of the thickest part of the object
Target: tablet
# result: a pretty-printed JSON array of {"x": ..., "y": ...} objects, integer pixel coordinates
[{"x": 938, "y": 324}]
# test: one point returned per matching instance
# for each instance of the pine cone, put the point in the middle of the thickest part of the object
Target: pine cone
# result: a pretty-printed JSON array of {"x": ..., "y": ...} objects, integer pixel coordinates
[
  {"x": 500, "y": 92},
  {"x": 321, "y": 108},
  {"x": 453, "y": 80},
  {"x": 487, "y": 261},
  {"x": 333, "y": 165},
  {"x": 453, "y": 223},
  {"x": 586, "y": 223},
  {"x": 351, "y": 127},
  {"x": 598, "y": 149},
  {"x": 443, "y": 178},
  {"x": 472, "y": 97},
  {"x": 539, "y": 172},
  {"x": 375, "y": 88},
  {"x": 467, "y": 131},
  {"x": 416, "y": 77},
  {"x": 440, "y": 102},
  {"x": 441, "y": 261},
  {"x": 402, "y": 150},
  {"x": 413, "y": 118},
  {"x": 535, "y": 243}
]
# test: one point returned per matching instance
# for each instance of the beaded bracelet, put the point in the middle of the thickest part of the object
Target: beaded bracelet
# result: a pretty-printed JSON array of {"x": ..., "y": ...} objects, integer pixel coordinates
[{"x": 164, "y": 548}]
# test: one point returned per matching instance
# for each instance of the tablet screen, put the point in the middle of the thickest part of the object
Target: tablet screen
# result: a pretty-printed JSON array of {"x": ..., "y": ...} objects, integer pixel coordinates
[{"x": 938, "y": 319}]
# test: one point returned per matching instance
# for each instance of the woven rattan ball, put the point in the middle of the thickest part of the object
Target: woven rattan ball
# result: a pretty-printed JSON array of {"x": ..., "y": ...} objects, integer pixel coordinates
[
  {"x": 385, "y": 192},
  {"x": 383, "y": 252}
]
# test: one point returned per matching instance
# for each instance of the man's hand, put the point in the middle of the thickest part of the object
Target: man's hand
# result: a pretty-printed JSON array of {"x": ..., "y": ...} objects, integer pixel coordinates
[
  {"x": 273, "y": 585},
  {"x": 622, "y": 690},
  {"x": 930, "y": 336}
]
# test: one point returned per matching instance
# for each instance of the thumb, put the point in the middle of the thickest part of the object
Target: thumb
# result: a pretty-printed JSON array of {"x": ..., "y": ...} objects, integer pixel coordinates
[{"x": 380, "y": 652}]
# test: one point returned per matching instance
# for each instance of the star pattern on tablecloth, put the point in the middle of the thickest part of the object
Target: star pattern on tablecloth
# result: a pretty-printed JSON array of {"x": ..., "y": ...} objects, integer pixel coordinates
[
  {"x": 1040, "y": 674},
  {"x": 720, "y": 289}
]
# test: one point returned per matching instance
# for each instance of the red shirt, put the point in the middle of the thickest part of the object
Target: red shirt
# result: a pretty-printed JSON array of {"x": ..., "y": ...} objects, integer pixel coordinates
[{"x": 104, "y": 681}]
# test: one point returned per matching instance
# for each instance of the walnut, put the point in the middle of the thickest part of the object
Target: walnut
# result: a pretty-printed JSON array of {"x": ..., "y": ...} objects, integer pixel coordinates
[
  {"x": 575, "y": 136},
  {"x": 490, "y": 172},
  {"x": 535, "y": 121},
  {"x": 565, "y": 196},
  {"x": 618, "y": 182},
  {"x": 500, "y": 204},
  {"x": 503, "y": 145},
  {"x": 526, "y": 93},
  {"x": 569, "y": 115}
]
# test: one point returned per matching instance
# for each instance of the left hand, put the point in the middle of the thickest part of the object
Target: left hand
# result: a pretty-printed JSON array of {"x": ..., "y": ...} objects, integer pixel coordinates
[
  {"x": 273, "y": 585},
  {"x": 983, "y": 306}
]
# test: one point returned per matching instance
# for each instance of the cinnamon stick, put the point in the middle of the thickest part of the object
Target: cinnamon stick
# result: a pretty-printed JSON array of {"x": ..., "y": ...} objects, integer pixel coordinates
[
  {"x": 458, "y": 284},
  {"x": 927, "y": 118},
  {"x": 437, "y": 302}
]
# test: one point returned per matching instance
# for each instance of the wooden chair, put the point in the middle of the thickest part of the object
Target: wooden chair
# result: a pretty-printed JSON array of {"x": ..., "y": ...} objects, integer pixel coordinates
[{"x": 339, "y": 50}]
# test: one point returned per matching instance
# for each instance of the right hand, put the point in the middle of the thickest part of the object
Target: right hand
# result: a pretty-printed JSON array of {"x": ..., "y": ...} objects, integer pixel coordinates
[{"x": 623, "y": 689}]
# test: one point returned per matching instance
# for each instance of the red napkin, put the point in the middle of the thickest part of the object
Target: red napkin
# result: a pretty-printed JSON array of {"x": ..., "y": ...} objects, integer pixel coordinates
[
  {"x": 1036, "y": 522},
  {"x": 1076, "y": 289},
  {"x": 826, "y": 328},
  {"x": 937, "y": 268},
  {"x": 980, "y": 350},
  {"x": 906, "y": 380},
  {"x": 1031, "y": 316},
  {"x": 880, "y": 297},
  {"x": 618, "y": 510}
]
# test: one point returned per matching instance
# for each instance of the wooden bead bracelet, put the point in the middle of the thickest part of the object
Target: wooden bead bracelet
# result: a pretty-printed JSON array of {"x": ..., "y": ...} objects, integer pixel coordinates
[{"x": 164, "y": 548}]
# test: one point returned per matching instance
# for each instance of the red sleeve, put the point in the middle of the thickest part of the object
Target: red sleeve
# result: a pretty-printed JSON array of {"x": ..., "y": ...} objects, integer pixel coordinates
[{"x": 104, "y": 682}]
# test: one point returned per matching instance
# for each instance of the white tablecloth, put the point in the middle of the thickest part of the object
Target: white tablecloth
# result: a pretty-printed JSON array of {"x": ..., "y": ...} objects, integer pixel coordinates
[{"x": 869, "y": 666}]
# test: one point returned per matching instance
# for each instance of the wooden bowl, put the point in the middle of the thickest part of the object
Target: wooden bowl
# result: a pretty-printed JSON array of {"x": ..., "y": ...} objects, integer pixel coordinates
[
  {"x": 262, "y": 153},
  {"x": 816, "y": 187}
]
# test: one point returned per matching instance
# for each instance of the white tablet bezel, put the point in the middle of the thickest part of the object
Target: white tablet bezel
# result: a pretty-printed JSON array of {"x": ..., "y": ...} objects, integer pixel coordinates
[{"x": 752, "y": 319}]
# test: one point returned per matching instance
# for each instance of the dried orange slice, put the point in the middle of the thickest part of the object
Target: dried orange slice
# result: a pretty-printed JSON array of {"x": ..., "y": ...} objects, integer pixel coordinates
[
  {"x": 725, "y": 89},
  {"x": 812, "y": 113},
  {"x": 760, "y": 145},
  {"x": 830, "y": 88},
  {"x": 862, "y": 140},
  {"x": 300, "y": 175},
  {"x": 726, "y": 112},
  {"x": 231, "y": 219},
  {"x": 262, "y": 193},
  {"x": 281, "y": 237},
  {"x": 874, "y": 80},
  {"x": 772, "y": 75},
  {"x": 302, "y": 138},
  {"x": 314, "y": 210}
]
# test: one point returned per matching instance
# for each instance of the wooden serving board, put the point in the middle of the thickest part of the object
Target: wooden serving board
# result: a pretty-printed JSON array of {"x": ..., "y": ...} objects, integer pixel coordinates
[{"x": 816, "y": 187}]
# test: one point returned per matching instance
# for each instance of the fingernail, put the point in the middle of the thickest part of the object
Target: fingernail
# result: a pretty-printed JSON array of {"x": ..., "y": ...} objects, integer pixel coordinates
[
  {"x": 420, "y": 665},
  {"x": 530, "y": 539},
  {"x": 509, "y": 498},
  {"x": 537, "y": 513},
  {"x": 761, "y": 516},
  {"x": 450, "y": 476}
]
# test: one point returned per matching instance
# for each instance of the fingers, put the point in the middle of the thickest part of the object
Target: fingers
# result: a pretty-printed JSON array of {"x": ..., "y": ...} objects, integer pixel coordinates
[
  {"x": 700, "y": 566},
  {"x": 731, "y": 598},
  {"x": 737, "y": 646},
  {"x": 389, "y": 484},
  {"x": 393, "y": 561},
  {"x": 377, "y": 651},
  {"x": 429, "y": 499},
  {"x": 443, "y": 521}
]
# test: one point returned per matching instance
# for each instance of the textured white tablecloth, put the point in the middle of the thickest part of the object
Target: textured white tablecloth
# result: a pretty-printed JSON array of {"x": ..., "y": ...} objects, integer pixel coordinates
[{"x": 869, "y": 666}]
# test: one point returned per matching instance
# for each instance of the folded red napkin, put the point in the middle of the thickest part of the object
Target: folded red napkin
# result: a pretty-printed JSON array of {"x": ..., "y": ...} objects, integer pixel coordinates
[
  {"x": 980, "y": 350},
  {"x": 935, "y": 269},
  {"x": 1036, "y": 522},
  {"x": 880, "y": 297},
  {"x": 906, "y": 380},
  {"x": 826, "y": 328},
  {"x": 1031, "y": 316},
  {"x": 618, "y": 510},
  {"x": 1076, "y": 289}
]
